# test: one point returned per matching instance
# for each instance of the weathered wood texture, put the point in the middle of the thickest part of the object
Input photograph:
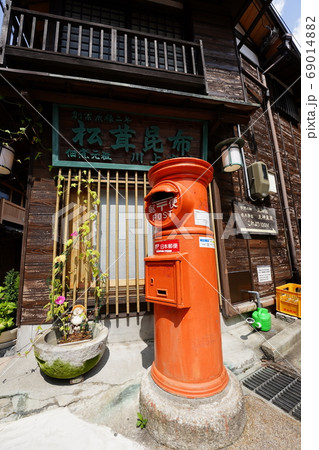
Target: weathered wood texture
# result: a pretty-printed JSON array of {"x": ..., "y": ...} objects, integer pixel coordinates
[
  {"x": 38, "y": 241},
  {"x": 246, "y": 255},
  {"x": 214, "y": 28}
]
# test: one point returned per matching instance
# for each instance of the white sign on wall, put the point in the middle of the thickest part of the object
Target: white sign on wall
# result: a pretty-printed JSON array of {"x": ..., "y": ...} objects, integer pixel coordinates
[{"x": 264, "y": 274}]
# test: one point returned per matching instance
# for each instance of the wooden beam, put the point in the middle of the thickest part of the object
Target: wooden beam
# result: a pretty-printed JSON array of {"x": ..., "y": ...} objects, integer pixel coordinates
[
  {"x": 254, "y": 23},
  {"x": 223, "y": 273}
]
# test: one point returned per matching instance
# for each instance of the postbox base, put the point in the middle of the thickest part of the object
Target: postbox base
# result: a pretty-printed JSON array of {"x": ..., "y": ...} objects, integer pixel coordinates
[
  {"x": 190, "y": 390},
  {"x": 182, "y": 423}
]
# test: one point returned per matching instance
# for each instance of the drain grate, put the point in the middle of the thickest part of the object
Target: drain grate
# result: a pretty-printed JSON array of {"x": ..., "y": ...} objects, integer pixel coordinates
[{"x": 277, "y": 387}]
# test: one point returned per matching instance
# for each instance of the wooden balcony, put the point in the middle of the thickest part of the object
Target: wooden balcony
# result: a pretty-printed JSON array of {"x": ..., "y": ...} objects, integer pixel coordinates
[
  {"x": 48, "y": 43},
  {"x": 11, "y": 212}
]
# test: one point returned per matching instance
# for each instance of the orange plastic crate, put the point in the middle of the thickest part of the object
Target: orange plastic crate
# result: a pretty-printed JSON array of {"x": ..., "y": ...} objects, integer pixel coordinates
[{"x": 288, "y": 299}]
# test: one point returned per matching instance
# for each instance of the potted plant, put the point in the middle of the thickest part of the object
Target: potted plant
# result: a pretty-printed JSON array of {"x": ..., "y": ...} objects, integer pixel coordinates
[
  {"x": 74, "y": 344},
  {"x": 29, "y": 129},
  {"x": 9, "y": 293}
]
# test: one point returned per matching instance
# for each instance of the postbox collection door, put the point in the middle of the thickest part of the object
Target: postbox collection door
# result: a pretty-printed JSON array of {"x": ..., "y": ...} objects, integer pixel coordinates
[{"x": 165, "y": 280}]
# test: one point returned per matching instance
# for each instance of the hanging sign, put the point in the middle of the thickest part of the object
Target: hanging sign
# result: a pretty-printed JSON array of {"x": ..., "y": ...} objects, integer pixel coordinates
[
  {"x": 252, "y": 219},
  {"x": 86, "y": 137}
]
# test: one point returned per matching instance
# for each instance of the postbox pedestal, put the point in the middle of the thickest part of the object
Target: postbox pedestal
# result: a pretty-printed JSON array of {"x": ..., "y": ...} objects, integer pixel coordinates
[{"x": 203, "y": 423}]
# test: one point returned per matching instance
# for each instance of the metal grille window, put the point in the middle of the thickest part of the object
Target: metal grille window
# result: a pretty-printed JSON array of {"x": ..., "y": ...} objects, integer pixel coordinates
[{"x": 121, "y": 235}]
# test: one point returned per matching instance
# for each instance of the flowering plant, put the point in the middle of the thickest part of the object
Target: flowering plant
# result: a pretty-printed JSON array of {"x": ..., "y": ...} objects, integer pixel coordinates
[{"x": 58, "y": 307}]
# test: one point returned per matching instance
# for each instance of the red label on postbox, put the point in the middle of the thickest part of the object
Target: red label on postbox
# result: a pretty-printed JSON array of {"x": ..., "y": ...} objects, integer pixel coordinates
[{"x": 169, "y": 246}]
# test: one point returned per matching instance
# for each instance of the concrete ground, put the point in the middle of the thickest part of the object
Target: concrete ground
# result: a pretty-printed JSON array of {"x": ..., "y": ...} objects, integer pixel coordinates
[{"x": 101, "y": 411}]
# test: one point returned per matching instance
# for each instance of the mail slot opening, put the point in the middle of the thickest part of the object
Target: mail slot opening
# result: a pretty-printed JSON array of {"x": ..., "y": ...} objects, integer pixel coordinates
[
  {"x": 159, "y": 196},
  {"x": 162, "y": 292}
]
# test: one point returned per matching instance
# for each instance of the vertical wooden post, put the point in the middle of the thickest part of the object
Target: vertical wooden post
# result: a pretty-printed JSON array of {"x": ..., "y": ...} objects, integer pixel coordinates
[
  {"x": 223, "y": 272},
  {"x": 211, "y": 208},
  {"x": 146, "y": 51},
  {"x": 20, "y": 33},
  {"x": 113, "y": 44},
  {"x": 137, "y": 281},
  {"x": 80, "y": 40},
  {"x": 33, "y": 28},
  {"x": 56, "y": 38},
  {"x": 156, "y": 53},
  {"x": 77, "y": 265},
  {"x": 107, "y": 244},
  {"x": 55, "y": 233},
  {"x": 5, "y": 30},
  {"x": 66, "y": 227},
  {"x": 145, "y": 229},
  {"x": 101, "y": 44},
  {"x": 68, "y": 39},
  {"x": 45, "y": 35},
  {"x": 203, "y": 64},
  {"x": 127, "y": 265},
  {"x": 117, "y": 243}
]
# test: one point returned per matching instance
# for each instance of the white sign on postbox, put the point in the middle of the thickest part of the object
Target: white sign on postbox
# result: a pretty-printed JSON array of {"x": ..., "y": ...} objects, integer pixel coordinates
[
  {"x": 206, "y": 242},
  {"x": 201, "y": 217}
]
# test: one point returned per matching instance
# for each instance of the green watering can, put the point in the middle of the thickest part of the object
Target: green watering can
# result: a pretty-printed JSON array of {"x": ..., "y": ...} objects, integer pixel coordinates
[{"x": 261, "y": 318}]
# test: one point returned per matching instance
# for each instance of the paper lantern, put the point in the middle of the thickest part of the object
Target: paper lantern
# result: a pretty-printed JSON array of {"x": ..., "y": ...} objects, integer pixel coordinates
[
  {"x": 6, "y": 159},
  {"x": 231, "y": 158}
]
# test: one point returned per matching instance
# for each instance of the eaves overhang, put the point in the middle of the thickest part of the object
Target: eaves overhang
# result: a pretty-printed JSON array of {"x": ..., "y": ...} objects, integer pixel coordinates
[{"x": 48, "y": 87}]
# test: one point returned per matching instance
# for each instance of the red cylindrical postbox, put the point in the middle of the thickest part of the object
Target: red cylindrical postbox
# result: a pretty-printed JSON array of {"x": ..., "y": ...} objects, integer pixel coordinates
[{"x": 181, "y": 281}]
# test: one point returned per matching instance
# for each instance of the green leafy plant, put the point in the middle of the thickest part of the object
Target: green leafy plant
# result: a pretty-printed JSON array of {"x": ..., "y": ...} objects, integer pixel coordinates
[
  {"x": 141, "y": 422},
  {"x": 7, "y": 315},
  {"x": 58, "y": 307},
  {"x": 10, "y": 289},
  {"x": 30, "y": 128},
  {"x": 9, "y": 293}
]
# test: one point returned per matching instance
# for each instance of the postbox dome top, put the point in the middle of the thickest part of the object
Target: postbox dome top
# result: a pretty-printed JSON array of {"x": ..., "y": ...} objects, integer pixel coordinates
[{"x": 184, "y": 167}]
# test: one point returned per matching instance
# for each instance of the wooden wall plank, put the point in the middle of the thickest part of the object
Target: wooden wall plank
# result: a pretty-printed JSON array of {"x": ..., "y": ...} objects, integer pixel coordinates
[
  {"x": 38, "y": 252},
  {"x": 241, "y": 254},
  {"x": 215, "y": 30}
]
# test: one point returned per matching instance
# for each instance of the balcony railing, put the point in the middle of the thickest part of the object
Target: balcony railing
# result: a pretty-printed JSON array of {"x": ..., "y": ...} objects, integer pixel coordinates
[
  {"x": 11, "y": 212},
  {"x": 33, "y": 35}
]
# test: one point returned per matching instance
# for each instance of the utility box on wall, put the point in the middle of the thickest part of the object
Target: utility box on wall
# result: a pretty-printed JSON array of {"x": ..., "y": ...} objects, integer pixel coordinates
[{"x": 258, "y": 180}]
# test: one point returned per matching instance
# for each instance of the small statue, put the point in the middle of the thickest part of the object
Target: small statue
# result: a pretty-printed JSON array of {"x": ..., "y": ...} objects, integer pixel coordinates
[{"x": 78, "y": 318}]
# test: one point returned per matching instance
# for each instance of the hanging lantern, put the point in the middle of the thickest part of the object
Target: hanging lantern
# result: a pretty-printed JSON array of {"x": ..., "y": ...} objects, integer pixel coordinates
[
  {"x": 231, "y": 153},
  {"x": 6, "y": 159}
]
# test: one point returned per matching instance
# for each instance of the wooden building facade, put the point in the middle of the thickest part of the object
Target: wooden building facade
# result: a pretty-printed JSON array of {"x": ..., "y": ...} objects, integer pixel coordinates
[{"x": 114, "y": 87}]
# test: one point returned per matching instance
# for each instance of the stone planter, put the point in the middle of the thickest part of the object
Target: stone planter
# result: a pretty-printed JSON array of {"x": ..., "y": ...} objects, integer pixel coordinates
[
  {"x": 67, "y": 361},
  {"x": 8, "y": 338}
]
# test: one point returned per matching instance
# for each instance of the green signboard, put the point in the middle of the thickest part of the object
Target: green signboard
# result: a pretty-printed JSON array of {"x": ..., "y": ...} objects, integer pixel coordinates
[{"x": 87, "y": 137}]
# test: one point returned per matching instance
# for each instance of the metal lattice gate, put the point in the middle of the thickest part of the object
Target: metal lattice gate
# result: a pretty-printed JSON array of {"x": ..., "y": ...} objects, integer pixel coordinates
[{"x": 122, "y": 235}]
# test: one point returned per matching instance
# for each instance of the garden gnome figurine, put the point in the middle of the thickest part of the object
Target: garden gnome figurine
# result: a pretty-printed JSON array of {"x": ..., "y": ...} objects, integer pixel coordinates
[{"x": 78, "y": 318}]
